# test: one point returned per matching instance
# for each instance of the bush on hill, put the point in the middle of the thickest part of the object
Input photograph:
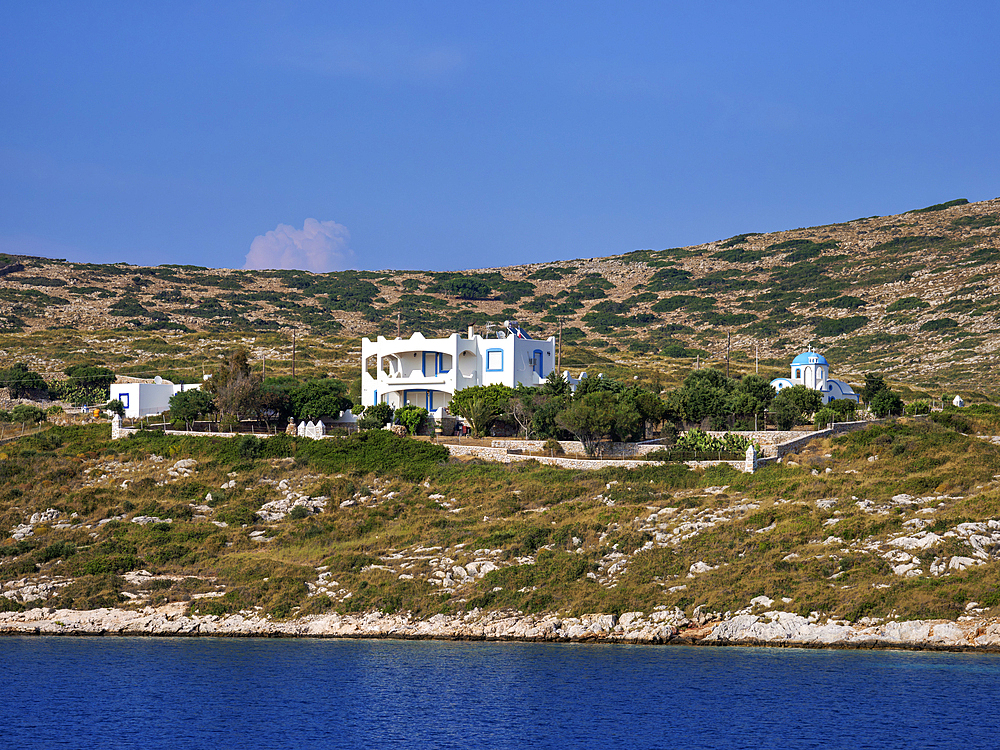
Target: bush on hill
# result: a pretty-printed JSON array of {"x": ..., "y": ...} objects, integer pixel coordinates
[
  {"x": 939, "y": 324},
  {"x": 830, "y": 327}
]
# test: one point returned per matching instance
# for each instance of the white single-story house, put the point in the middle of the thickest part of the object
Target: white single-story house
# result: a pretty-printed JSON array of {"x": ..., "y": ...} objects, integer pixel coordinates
[
  {"x": 147, "y": 399},
  {"x": 427, "y": 372},
  {"x": 813, "y": 371}
]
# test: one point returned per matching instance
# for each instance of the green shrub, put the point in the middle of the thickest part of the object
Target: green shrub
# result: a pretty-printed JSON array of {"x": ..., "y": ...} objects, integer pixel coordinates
[
  {"x": 939, "y": 324},
  {"x": 824, "y": 417},
  {"x": 907, "y": 303},
  {"x": 24, "y": 413},
  {"x": 56, "y": 551},
  {"x": 846, "y": 302},
  {"x": 553, "y": 447},
  {"x": 411, "y": 417},
  {"x": 941, "y": 206},
  {"x": 830, "y": 327},
  {"x": 21, "y": 381},
  {"x": 739, "y": 239},
  {"x": 108, "y": 564},
  {"x": 669, "y": 279},
  {"x": 91, "y": 592},
  {"x": 976, "y": 222}
]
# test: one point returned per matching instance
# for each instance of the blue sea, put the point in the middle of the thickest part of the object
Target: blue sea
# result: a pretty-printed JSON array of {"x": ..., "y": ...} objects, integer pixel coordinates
[{"x": 249, "y": 693}]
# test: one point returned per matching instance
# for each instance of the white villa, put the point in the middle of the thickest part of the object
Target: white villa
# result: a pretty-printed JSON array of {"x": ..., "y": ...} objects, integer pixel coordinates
[
  {"x": 148, "y": 399},
  {"x": 813, "y": 371},
  {"x": 427, "y": 372}
]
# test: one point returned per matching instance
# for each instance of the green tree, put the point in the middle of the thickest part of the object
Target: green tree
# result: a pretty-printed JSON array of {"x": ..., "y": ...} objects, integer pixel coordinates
[
  {"x": 274, "y": 399},
  {"x": 480, "y": 414},
  {"x": 235, "y": 387},
  {"x": 874, "y": 384},
  {"x": 480, "y": 405},
  {"x": 704, "y": 394},
  {"x": 824, "y": 417},
  {"x": 595, "y": 385},
  {"x": 411, "y": 417},
  {"x": 650, "y": 408},
  {"x": 805, "y": 398},
  {"x": 22, "y": 382},
  {"x": 25, "y": 414},
  {"x": 543, "y": 421},
  {"x": 187, "y": 406},
  {"x": 115, "y": 406},
  {"x": 751, "y": 396},
  {"x": 324, "y": 397},
  {"x": 90, "y": 377},
  {"x": 590, "y": 419},
  {"x": 598, "y": 416},
  {"x": 785, "y": 412},
  {"x": 882, "y": 401},
  {"x": 555, "y": 385},
  {"x": 792, "y": 405},
  {"x": 886, "y": 403},
  {"x": 845, "y": 409},
  {"x": 523, "y": 404},
  {"x": 375, "y": 417}
]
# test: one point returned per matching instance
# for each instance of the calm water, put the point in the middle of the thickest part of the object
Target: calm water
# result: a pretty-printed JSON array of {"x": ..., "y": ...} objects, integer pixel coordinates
[{"x": 206, "y": 693}]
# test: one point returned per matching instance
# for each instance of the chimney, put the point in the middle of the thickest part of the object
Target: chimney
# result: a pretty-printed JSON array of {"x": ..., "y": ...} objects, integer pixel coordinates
[{"x": 471, "y": 332}]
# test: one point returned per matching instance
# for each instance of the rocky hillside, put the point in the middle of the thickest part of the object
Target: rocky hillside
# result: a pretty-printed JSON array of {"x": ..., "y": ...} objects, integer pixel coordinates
[
  {"x": 900, "y": 521},
  {"x": 914, "y": 296}
]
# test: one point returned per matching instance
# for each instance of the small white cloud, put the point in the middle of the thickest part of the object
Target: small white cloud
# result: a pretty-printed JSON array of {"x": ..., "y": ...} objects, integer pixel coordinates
[{"x": 320, "y": 246}]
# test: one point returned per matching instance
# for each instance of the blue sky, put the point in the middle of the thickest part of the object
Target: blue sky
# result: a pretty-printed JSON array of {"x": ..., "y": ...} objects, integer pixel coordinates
[{"x": 446, "y": 136}]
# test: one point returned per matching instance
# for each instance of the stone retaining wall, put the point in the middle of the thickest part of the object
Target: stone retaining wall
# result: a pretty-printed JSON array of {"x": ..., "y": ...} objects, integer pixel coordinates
[
  {"x": 773, "y": 443},
  {"x": 837, "y": 428},
  {"x": 575, "y": 447},
  {"x": 506, "y": 451},
  {"x": 504, "y": 456},
  {"x": 121, "y": 432}
]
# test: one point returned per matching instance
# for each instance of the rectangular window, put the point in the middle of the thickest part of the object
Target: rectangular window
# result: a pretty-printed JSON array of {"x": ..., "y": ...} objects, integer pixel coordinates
[
  {"x": 494, "y": 360},
  {"x": 123, "y": 397}
]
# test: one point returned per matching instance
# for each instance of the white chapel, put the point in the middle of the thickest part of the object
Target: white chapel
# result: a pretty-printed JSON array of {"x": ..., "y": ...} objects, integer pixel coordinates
[{"x": 813, "y": 371}]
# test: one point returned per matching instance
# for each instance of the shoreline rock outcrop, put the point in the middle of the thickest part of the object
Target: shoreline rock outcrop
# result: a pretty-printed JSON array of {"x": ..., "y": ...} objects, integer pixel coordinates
[{"x": 662, "y": 627}]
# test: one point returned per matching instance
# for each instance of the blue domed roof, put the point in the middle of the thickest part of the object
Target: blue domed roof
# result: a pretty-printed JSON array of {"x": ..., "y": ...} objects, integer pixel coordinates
[{"x": 803, "y": 359}]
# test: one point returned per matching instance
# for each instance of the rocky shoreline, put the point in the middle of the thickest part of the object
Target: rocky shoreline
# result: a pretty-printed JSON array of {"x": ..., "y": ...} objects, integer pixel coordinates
[{"x": 782, "y": 629}]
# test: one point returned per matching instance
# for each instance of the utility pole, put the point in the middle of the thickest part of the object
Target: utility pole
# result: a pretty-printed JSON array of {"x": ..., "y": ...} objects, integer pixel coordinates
[
  {"x": 756, "y": 359},
  {"x": 398, "y": 326},
  {"x": 263, "y": 366},
  {"x": 293, "y": 352},
  {"x": 729, "y": 341},
  {"x": 559, "y": 358}
]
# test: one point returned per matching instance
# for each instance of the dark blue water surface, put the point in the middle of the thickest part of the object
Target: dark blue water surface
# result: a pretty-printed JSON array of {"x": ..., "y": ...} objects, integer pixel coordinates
[{"x": 237, "y": 693}]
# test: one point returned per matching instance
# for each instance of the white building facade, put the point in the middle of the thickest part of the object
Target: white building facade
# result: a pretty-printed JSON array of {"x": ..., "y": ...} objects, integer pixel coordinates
[
  {"x": 148, "y": 399},
  {"x": 813, "y": 371},
  {"x": 427, "y": 372}
]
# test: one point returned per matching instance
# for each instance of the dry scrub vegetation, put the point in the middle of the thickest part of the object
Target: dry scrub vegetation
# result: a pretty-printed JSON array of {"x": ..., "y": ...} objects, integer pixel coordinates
[
  {"x": 914, "y": 296},
  {"x": 899, "y": 520}
]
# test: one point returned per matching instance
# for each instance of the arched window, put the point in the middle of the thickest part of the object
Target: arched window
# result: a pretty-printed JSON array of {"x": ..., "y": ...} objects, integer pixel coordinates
[{"x": 798, "y": 372}]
